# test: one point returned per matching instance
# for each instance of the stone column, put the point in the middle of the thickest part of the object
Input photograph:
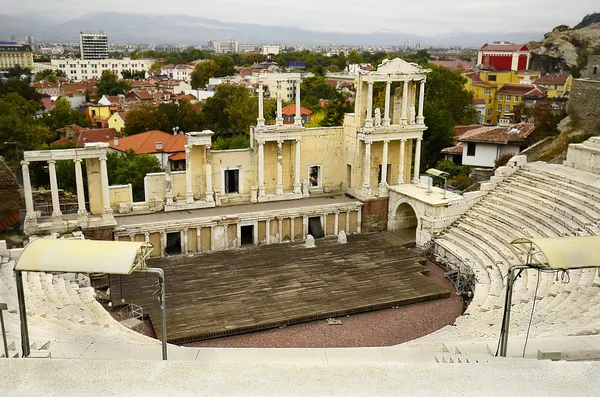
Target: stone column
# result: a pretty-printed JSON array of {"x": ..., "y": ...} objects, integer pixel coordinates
[
  {"x": 209, "y": 191},
  {"x": 147, "y": 237},
  {"x": 54, "y": 190},
  {"x": 369, "y": 117},
  {"x": 304, "y": 227},
  {"x": 168, "y": 188},
  {"x": 401, "y": 163},
  {"x": 239, "y": 234},
  {"x": 268, "y": 231},
  {"x": 358, "y": 221},
  {"x": 298, "y": 118},
  {"x": 132, "y": 237},
  {"x": 163, "y": 244},
  {"x": 280, "y": 229},
  {"x": 347, "y": 222},
  {"x": 325, "y": 224},
  {"x": 255, "y": 234},
  {"x": 292, "y": 221},
  {"x": 104, "y": 179},
  {"x": 81, "y": 211},
  {"x": 384, "y": 160},
  {"x": 261, "y": 169},
  {"x": 367, "y": 170},
  {"x": 417, "y": 165},
  {"x": 386, "y": 112},
  {"x": 297, "y": 183},
  {"x": 28, "y": 192},
  {"x": 226, "y": 236},
  {"x": 404, "y": 117},
  {"x": 336, "y": 219},
  {"x": 198, "y": 239},
  {"x": 212, "y": 238},
  {"x": 260, "y": 121},
  {"x": 279, "y": 186},
  {"x": 420, "y": 117},
  {"x": 279, "y": 119},
  {"x": 189, "y": 192},
  {"x": 183, "y": 236}
]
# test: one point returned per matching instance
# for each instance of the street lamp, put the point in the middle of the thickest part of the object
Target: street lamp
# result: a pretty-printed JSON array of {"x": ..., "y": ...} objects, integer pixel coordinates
[
  {"x": 19, "y": 176},
  {"x": 439, "y": 174},
  {"x": 175, "y": 130}
]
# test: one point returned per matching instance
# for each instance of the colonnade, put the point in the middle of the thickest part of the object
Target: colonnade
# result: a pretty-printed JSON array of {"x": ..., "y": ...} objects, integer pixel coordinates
[
  {"x": 189, "y": 192},
  {"x": 405, "y": 117},
  {"x": 279, "y": 183}
]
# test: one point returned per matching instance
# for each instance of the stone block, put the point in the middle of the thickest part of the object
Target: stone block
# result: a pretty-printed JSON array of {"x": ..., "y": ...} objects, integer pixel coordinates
[
  {"x": 125, "y": 208},
  {"x": 549, "y": 355},
  {"x": 341, "y": 238},
  {"x": 3, "y": 248},
  {"x": 310, "y": 241},
  {"x": 15, "y": 253}
]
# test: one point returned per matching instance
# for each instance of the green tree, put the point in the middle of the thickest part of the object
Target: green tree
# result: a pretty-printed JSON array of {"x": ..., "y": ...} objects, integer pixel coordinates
[
  {"x": 230, "y": 109},
  {"x": 20, "y": 87},
  {"x": 62, "y": 115},
  {"x": 203, "y": 72},
  {"x": 128, "y": 167},
  {"x": 342, "y": 61},
  {"x": 141, "y": 119},
  {"x": 110, "y": 85},
  {"x": 439, "y": 133}
]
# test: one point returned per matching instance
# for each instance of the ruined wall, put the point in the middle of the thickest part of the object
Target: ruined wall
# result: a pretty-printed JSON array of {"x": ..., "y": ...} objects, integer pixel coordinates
[
  {"x": 375, "y": 215},
  {"x": 584, "y": 105},
  {"x": 119, "y": 194}
]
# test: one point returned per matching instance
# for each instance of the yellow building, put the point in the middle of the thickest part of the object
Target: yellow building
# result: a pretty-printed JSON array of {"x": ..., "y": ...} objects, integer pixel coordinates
[
  {"x": 13, "y": 54},
  {"x": 99, "y": 115},
  {"x": 557, "y": 85},
  {"x": 485, "y": 85},
  {"x": 117, "y": 121}
]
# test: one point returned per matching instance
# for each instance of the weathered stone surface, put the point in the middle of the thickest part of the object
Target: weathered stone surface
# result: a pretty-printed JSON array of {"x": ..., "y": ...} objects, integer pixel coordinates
[
  {"x": 310, "y": 241},
  {"x": 125, "y": 208},
  {"x": 375, "y": 216},
  {"x": 584, "y": 104},
  {"x": 341, "y": 238}
]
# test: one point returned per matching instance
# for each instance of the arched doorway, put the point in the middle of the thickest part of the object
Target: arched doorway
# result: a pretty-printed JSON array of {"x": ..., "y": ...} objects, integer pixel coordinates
[{"x": 405, "y": 223}]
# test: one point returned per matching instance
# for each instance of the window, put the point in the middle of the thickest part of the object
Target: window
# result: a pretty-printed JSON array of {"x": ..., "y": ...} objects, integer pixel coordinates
[
  {"x": 507, "y": 108},
  {"x": 499, "y": 108},
  {"x": 508, "y": 98},
  {"x": 489, "y": 121},
  {"x": 490, "y": 101},
  {"x": 516, "y": 99},
  {"x": 471, "y": 148},
  {"x": 232, "y": 181},
  {"x": 314, "y": 176},
  {"x": 489, "y": 112},
  {"x": 492, "y": 77}
]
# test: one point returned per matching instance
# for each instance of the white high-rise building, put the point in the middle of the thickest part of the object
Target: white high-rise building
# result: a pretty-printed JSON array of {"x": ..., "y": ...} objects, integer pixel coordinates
[{"x": 93, "y": 45}]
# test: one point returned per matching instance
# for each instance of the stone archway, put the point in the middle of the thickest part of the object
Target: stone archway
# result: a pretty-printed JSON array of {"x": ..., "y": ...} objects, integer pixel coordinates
[{"x": 405, "y": 217}]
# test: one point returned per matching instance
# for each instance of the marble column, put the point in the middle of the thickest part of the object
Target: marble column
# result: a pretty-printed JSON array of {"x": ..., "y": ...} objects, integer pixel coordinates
[
  {"x": 358, "y": 221},
  {"x": 28, "y": 192},
  {"x": 255, "y": 234},
  {"x": 104, "y": 180},
  {"x": 260, "y": 121},
  {"x": 198, "y": 239},
  {"x": 212, "y": 238},
  {"x": 420, "y": 117},
  {"x": 168, "y": 188},
  {"x": 336, "y": 220},
  {"x": 404, "y": 114},
  {"x": 183, "y": 236},
  {"x": 298, "y": 118},
  {"x": 417, "y": 164},
  {"x": 297, "y": 183},
  {"x": 384, "y": 161},
  {"x": 163, "y": 244},
  {"x": 279, "y": 186},
  {"x": 189, "y": 192},
  {"x": 132, "y": 237},
  {"x": 239, "y": 234},
  {"x": 325, "y": 224},
  {"x": 386, "y": 111},
  {"x": 268, "y": 231},
  {"x": 209, "y": 190},
  {"x": 367, "y": 170},
  {"x": 261, "y": 169},
  {"x": 292, "y": 222},
  {"x": 280, "y": 229},
  {"x": 347, "y": 222},
  {"x": 369, "y": 117},
  {"x": 54, "y": 190},
  {"x": 81, "y": 211},
  {"x": 304, "y": 227},
  {"x": 401, "y": 162},
  {"x": 279, "y": 119},
  {"x": 147, "y": 237},
  {"x": 226, "y": 236}
]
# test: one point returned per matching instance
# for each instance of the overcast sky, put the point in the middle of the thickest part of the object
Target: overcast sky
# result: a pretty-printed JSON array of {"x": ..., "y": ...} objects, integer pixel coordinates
[{"x": 423, "y": 17}]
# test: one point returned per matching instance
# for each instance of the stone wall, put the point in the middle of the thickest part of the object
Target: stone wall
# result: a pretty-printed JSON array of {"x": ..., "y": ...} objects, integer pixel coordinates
[
  {"x": 375, "y": 215},
  {"x": 585, "y": 156},
  {"x": 584, "y": 105}
]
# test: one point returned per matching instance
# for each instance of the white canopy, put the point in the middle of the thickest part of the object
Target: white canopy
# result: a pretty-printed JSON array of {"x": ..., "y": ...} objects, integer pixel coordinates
[
  {"x": 82, "y": 256},
  {"x": 566, "y": 252}
]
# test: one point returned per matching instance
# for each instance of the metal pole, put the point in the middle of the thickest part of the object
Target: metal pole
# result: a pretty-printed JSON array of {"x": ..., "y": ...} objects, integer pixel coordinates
[
  {"x": 3, "y": 330},
  {"x": 22, "y": 314},
  {"x": 507, "y": 303},
  {"x": 163, "y": 311}
]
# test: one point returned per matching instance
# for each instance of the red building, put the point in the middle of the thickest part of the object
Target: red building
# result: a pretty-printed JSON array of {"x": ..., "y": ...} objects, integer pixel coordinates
[{"x": 504, "y": 56}]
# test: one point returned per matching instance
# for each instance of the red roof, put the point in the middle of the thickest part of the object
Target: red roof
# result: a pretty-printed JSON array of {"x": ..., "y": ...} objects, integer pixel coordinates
[
  {"x": 459, "y": 131},
  {"x": 479, "y": 101},
  {"x": 505, "y": 47},
  {"x": 455, "y": 65},
  {"x": 81, "y": 136},
  {"x": 177, "y": 156},
  {"x": 145, "y": 142},
  {"x": 559, "y": 79},
  {"x": 499, "y": 135},
  {"x": 290, "y": 110},
  {"x": 474, "y": 77},
  {"x": 516, "y": 89}
]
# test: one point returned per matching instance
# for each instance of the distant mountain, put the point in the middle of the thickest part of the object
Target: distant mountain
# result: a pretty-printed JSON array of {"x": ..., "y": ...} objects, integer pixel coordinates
[{"x": 182, "y": 29}]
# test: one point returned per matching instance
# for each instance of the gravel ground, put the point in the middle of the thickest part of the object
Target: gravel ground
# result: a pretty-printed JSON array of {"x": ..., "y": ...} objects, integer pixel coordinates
[{"x": 379, "y": 328}]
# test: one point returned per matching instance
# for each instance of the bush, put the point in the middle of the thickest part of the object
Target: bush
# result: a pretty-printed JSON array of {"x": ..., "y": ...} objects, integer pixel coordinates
[
  {"x": 234, "y": 142},
  {"x": 453, "y": 169}
]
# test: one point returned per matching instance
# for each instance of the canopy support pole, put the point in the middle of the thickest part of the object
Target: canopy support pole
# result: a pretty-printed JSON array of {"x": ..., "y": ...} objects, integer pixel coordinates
[
  {"x": 507, "y": 303},
  {"x": 161, "y": 299},
  {"x": 22, "y": 314}
]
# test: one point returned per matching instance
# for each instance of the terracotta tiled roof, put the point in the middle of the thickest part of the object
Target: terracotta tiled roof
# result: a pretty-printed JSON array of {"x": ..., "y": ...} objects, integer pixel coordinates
[
  {"x": 516, "y": 89},
  {"x": 290, "y": 110},
  {"x": 44, "y": 84},
  {"x": 474, "y": 77},
  {"x": 559, "y": 79},
  {"x": 479, "y": 101},
  {"x": 456, "y": 149},
  {"x": 499, "y": 135},
  {"x": 460, "y": 130},
  {"x": 504, "y": 47},
  {"x": 455, "y": 65},
  {"x": 177, "y": 156},
  {"x": 145, "y": 142},
  {"x": 81, "y": 136}
]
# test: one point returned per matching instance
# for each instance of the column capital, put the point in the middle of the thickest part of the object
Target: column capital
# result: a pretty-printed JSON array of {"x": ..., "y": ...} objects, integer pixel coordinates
[
  {"x": 209, "y": 146},
  {"x": 292, "y": 217},
  {"x": 260, "y": 141},
  {"x": 386, "y": 141},
  {"x": 102, "y": 158},
  {"x": 77, "y": 160},
  {"x": 298, "y": 140},
  {"x": 368, "y": 143},
  {"x": 51, "y": 161},
  {"x": 25, "y": 162},
  {"x": 268, "y": 220},
  {"x": 280, "y": 142}
]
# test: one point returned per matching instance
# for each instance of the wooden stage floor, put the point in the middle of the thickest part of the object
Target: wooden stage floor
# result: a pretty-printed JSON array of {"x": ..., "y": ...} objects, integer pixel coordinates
[{"x": 236, "y": 291}]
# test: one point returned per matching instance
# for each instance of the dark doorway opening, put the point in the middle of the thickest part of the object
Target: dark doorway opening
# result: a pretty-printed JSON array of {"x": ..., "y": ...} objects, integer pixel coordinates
[
  {"x": 247, "y": 235},
  {"x": 314, "y": 227},
  {"x": 173, "y": 243},
  {"x": 232, "y": 181}
]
